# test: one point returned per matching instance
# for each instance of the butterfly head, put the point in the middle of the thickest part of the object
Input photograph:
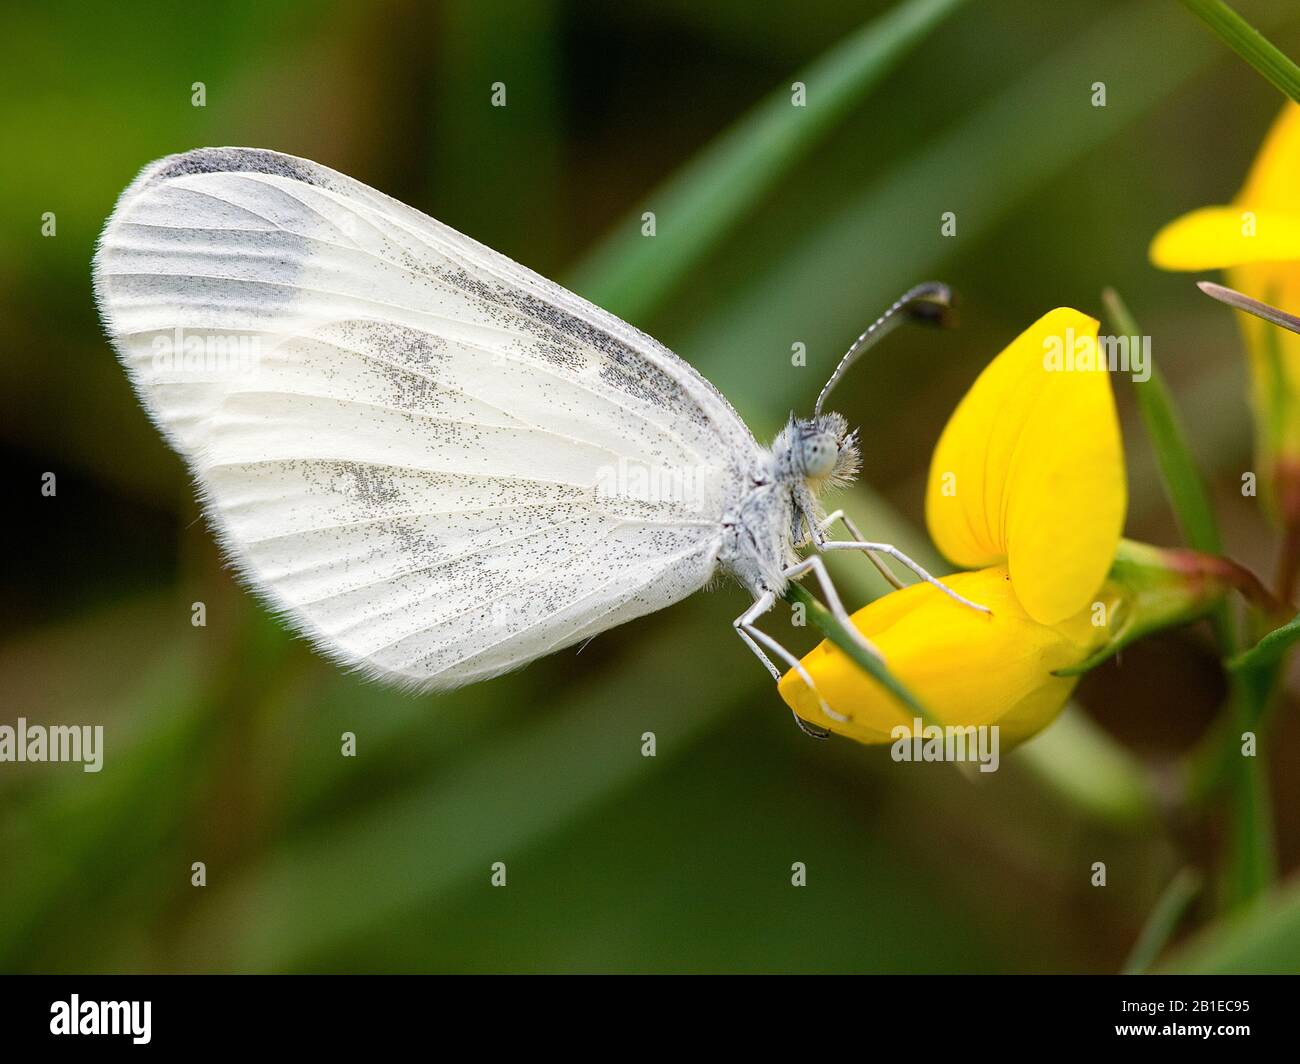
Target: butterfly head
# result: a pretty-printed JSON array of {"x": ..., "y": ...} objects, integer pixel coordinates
[{"x": 820, "y": 450}]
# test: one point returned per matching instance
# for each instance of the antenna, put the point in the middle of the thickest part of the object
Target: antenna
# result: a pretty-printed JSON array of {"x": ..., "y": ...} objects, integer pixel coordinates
[
  {"x": 1251, "y": 306},
  {"x": 929, "y": 303}
]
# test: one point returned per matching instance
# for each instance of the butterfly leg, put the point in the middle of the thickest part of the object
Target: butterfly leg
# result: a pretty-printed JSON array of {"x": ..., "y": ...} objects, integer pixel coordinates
[
  {"x": 753, "y": 636},
  {"x": 817, "y": 567},
  {"x": 839, "y": 515},
  {"x": 890, "y": 551}
]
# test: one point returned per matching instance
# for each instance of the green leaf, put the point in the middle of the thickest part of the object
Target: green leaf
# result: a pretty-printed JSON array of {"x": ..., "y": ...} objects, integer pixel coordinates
[
  {"x": 1269, "y": 650},
  {"x": 1249, "y": 43},
  {"x": 630, "y": 274}
]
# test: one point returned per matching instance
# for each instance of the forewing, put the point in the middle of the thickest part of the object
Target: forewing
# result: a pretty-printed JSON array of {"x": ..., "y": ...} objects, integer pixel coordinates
[{"x": 433, "y": 461}]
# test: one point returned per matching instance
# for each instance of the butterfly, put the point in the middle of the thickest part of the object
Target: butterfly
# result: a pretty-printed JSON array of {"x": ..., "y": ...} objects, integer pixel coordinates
[{"x": 432, "y": 462}]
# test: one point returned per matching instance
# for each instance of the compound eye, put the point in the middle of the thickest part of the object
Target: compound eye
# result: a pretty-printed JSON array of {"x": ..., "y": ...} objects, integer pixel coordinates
[{"x": 819, "y": 456}]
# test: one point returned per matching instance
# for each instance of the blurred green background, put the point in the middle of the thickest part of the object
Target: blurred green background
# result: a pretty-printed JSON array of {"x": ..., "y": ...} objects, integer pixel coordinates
[{"x": 223, "y": 743}]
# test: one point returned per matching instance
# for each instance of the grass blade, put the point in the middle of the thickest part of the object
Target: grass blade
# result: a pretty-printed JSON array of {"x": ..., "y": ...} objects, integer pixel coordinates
[
  {"x": 1249, "y": 43},
  {"x": 1182, "y": 480},
  {"x": 1269, "y": 650},
  {"x": 804, "y": 294},
  {"x": 1163, "y": 921},
  {"x": 630, "y": 274}
]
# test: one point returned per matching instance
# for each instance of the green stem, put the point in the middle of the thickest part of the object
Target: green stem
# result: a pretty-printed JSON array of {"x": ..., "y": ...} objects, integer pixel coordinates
[
  {"x": 1249, "y": 43},
  {"x": 1251, "y": 865}
]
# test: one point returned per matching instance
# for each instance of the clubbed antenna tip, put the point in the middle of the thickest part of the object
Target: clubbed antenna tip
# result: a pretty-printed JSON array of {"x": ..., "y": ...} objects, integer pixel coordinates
[{"x": 928, "y": 304}]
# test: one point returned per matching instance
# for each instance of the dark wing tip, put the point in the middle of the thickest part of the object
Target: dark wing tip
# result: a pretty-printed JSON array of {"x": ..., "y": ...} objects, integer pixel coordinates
[
  {"x": 241, "y": 160},
  {"x": 233, "y": 160}
]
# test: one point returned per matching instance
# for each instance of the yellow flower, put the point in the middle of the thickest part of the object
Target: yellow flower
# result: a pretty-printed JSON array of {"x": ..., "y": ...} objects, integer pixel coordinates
[
  {"x": 965, "y": 668},
  {"x": 1030, "y": 469},
  {"x": 1256, "y": 240},
  {"x": 1026, "y": 486}
]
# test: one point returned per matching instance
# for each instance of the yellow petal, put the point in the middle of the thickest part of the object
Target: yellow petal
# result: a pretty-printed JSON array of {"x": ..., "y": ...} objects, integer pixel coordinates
[
  {"x": 1272, "y": 183},
  {"x": 968, "y": 471},
  {"x": 1030, "y": 469},
  {"x": 965, "y": 667},
  {"x": 1067, "y": 499},
  {"x": 1219, "y": 237}
]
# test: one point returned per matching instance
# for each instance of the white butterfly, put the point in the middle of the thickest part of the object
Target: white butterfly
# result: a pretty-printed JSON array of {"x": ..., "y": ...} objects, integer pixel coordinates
[{"x": 434, "y": 463}]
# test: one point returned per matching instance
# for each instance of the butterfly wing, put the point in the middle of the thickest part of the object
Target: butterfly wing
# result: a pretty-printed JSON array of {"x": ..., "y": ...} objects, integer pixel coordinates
[{"x": 435, "y": 463}]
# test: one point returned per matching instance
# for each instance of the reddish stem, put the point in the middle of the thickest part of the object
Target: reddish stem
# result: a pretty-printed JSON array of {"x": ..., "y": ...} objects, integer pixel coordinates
[{"x": 1223, "y": 570}]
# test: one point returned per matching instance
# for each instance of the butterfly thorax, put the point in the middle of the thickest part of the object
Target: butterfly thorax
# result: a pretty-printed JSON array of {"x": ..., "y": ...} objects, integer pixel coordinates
[{"x": 780, "y": 506}]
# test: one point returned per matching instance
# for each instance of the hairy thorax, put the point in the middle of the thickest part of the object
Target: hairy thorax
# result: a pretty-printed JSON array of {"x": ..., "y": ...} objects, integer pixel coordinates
[{"x": 758, "y": 538}]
